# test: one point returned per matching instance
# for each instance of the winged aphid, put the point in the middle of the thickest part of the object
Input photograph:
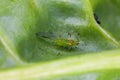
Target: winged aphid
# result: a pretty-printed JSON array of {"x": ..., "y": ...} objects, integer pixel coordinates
[{"x": 59, "y": 41}]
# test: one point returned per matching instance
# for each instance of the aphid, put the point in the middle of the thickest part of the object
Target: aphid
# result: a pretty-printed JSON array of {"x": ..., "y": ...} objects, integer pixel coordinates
[
  {"x": 66, "y": 42},
  {"x": 97, "y": 19},
  {"x": 62, "y": 42}
]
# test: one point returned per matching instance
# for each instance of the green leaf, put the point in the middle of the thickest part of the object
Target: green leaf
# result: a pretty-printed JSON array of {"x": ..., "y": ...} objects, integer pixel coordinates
[
  {"x": 70, "y": 68},
  {"x": 108, "y": 12},
  {"x": 25, "y": 55}
]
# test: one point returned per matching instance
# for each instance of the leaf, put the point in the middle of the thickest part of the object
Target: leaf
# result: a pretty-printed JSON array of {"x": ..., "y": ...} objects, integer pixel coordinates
[
  {"x": 21, "y": 20},
  {"x": 99, "y": 68},
  {"x": 108, "y": 15}
]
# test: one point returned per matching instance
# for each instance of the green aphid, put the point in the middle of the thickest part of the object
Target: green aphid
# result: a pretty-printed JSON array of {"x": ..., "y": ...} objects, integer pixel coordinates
[
  {"x": 66, "y": 42},
  {"x": 62, "y": 42}
]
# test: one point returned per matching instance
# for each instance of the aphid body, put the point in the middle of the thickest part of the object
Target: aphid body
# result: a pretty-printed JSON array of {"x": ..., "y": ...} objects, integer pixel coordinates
[
  {"x": 62, "y": 42},
  {"x": 66, "y": 42}
]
